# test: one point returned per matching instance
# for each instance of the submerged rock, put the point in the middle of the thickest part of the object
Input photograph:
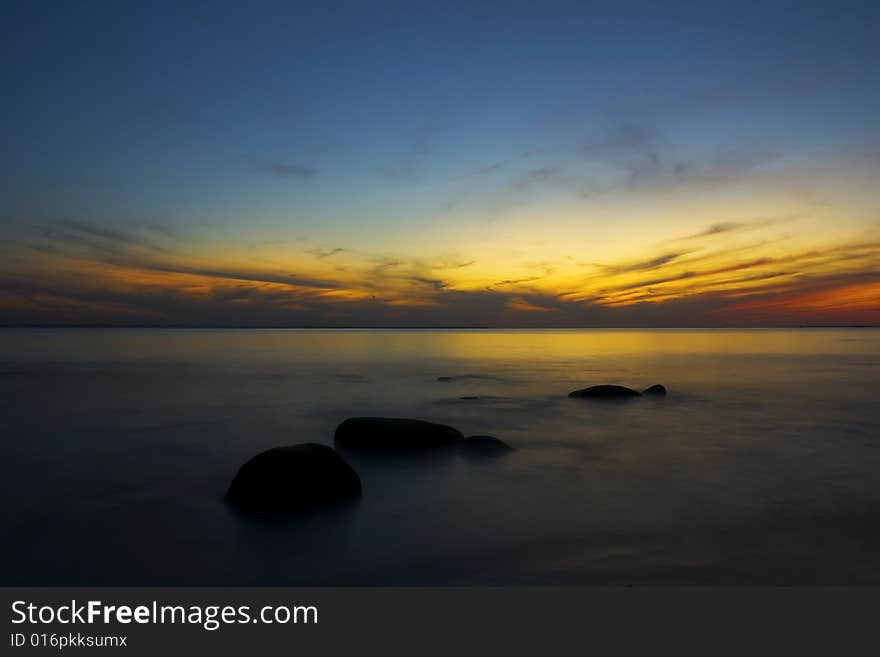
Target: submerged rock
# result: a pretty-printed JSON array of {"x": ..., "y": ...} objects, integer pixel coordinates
[
  {"x": 605, "y": 392},
  {"x": 394, "y": 433},
  {"x": 293, "y": 478},
  {"x": 484, "y": 447},
  {"x": 617, "y": 392}
]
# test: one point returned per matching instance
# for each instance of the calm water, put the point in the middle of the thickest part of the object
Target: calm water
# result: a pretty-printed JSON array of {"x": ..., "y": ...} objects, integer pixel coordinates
[{"x": 761, "y": 466}]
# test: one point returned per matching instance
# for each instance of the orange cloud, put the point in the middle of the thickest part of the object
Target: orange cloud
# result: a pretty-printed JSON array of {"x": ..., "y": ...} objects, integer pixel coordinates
[
  {"x": 743, "y": 282},
  {"x": 521, "y": 305},
  {"x": 854, "y": 303}
]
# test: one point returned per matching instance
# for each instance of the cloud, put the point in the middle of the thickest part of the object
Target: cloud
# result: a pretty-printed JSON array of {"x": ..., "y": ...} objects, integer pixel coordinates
[
  {"x": 285, "y": 169},
  {"x": 433, "y": 283},
  {"x": 717, "y": 229},
  {"x": 857, "y": 296},
  {"x": 456, "y": 265},
  {"x": 500, "y": 165},
  {"x": 321, "y": 254},
  {"x": 644, "y": 265},
  {"x": 98, "y": 238},
  {"x": 397, "y": 275},
  {"x": 638, "y": 156},
  {"x": 732, "y": 279},
  {"x": 621, "y": 158},
  {"x": 382, "y": 265},
  {"x": 515, "y": 281},
  {"x": 239, "y": 275},
  {"x": 262, "y": 244},
  {"x": 737, "y": 226},
  {"x": 521, "y": 305},
  {"x": 537, "y": 176},
  {"x": 121, "y": 278},
  {"x": 248, "y": 303}
]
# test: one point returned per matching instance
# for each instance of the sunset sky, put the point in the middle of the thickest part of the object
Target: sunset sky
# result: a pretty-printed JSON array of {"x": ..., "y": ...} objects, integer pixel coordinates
[{"x": 440, "y": 164}]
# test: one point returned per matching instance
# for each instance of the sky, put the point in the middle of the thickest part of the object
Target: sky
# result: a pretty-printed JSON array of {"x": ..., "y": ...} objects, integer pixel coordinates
[{"x": 546, "y": 164}]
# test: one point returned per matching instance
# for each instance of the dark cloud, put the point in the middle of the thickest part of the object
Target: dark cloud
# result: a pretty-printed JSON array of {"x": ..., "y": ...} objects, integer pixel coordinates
[
  {"x": 716, "y": 229},
  {"x": 801, "y": 266},
  {"x": 657, "y": 280},
  {"x": 458, "y": 265},
  {"x": 251, "y": 277},
  {"x": 500, "y": 165},
  {"x": 383, "y": 265},
  {"x": 129, "y": 249},
  {"x": 624, "y": 157},
  {"x": 433, "y": 283},
  {"x": 673, "y": 292},
  {"x": 537, "y": 176},
  {"x": 320, "y": 254},
  {"x": 258, "y": 306},
  {"x": 266, "y": 243},
  {"x": 639, "y": 156},
  {"x": 515, "y": 281},
  {"x": 107, "y": 242},
  {"x": 698, "y": 289},
  {"x": 251, "y": 304},
  {"x": 644, "y": 265},
  {"x": 388, "y": 272},
  {"x": 285, "y": 169},
  {"x": 45, "y": 249},
  {"x": 737, "y": 226}
]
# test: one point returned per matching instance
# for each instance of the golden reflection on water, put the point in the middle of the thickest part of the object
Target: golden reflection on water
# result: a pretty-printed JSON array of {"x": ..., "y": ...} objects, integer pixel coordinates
[{"x": 285, "y": 345}]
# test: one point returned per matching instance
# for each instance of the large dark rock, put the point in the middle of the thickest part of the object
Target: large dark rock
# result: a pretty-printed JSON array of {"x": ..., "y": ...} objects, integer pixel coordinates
[
  {"x": 293, "y": 478},
  {"x": 655, "y": 389},
  {"x": 605, "y": 392},
  {"x": 394, "y": 433},
  {"x": 484, "y": 447}
]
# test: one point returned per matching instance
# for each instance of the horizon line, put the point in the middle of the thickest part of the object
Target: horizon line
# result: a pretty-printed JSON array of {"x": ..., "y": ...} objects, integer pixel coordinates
[{"x": 427, "y": 327}]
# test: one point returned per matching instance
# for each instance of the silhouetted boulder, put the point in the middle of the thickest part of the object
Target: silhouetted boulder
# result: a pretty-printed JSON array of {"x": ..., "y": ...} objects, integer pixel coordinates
[
  {"x": 484, "y": 447},
  {"x": 394, "y": 433},
  {"x": 656, "y": 389},
  {"x": 605, "y": 392},
  {"x": 293, "y": 478}
]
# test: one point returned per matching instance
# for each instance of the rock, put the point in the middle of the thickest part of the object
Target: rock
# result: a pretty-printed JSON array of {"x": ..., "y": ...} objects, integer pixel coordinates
[
  {"x": 655, "y": 389},
  {"x": 394, "y": 433},
  {"x": 293, "y": 478},
  {"x": 484, "y": 447},
  {"x": 605, "y": 392}
]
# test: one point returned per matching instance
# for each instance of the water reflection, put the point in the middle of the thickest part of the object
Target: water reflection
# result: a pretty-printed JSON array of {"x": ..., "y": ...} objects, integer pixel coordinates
[{"x": 760, "y": 464}]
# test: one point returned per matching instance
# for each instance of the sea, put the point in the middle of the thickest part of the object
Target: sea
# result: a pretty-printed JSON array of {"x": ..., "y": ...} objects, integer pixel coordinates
[{"x": 761, "y": 466}]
